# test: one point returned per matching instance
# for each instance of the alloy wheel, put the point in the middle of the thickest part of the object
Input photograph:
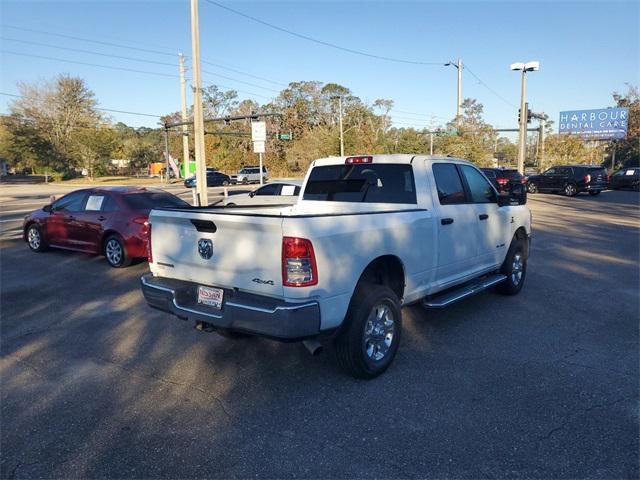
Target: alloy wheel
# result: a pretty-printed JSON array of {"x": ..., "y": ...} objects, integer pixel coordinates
[
  {"x": 379, "y": 331},
  {"x": 517, "y": 267},
  {"x": 33, "y": 237},
  {"x": 113, "y": 252}
]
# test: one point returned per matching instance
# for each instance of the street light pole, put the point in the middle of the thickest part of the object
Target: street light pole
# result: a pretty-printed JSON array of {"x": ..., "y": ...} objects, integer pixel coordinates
[
  {"x": 198, "y": 116},
  {"x": 522, "y": 133},
  {"x": 458, "y": 65}
]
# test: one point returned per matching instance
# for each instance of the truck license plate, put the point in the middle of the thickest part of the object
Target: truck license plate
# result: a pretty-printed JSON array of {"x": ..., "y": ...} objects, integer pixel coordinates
[{"x": 210, "y": 296}]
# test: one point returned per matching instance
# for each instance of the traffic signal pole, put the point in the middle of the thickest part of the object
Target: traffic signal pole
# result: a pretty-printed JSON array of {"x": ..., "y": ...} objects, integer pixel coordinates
[{"x": 198, "y": 116}]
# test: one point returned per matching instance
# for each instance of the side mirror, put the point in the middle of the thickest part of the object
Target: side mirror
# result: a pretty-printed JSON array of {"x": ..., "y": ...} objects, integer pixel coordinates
[
  {"x": 47, "y": 208},
  {"x": 252, "y": 194}
]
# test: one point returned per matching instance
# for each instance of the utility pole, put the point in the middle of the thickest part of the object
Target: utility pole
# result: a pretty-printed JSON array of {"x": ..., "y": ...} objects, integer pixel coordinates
[
  {"x": 198, "y": 117},
  {"x": 185, "y": 138},
  {"x": 459, "y": 107},
  {"x": 541, "y": 145},
  {"x": 430, "y": 143},
  {"x": 341, "y": 131},
  {"x": 166, "y": 155}
]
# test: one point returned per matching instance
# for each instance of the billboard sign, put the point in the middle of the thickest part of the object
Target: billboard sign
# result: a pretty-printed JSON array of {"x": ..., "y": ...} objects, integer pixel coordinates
[{"x": 598, "y": 124}]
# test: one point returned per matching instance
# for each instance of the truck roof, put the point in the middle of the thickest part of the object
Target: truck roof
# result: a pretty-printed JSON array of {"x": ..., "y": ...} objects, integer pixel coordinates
[{"x": 383, "y": 158}]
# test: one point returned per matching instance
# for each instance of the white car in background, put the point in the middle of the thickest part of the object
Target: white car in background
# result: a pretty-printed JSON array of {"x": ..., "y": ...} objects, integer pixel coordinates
[
  {"x": 250, "y": 175},
  {"x": 276, "y": 193}
]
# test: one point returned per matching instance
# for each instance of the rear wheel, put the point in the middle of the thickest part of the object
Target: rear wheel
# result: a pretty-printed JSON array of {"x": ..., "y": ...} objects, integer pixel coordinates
[
  {"x": 514, "y": 267},
  {"x": 593, "y": 193},
  {"x": 115, "y": 252},
  {"x": 532, "y": 188},
  {"x": 570, "y": 190},
  {"x": 371, "y": 334},
  {"x": 245, "y": 181},
  {"x": 35, "y": 239},
  {"x": 225, "y": 183}
]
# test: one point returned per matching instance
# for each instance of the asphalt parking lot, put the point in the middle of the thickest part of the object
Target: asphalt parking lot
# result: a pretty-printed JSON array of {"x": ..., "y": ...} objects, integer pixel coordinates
[{"x": 541, "y": 385}]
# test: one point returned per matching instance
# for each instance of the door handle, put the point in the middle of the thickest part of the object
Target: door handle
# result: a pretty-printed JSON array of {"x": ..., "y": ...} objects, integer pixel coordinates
[
  {"x": 483, "y": 216},
  {"x": 101, "y": 218},
  {"x": 446, "y": 221}
]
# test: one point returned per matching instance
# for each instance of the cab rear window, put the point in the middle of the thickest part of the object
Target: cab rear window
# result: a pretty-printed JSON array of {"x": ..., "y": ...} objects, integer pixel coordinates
[{"x": 364, "y": 183}]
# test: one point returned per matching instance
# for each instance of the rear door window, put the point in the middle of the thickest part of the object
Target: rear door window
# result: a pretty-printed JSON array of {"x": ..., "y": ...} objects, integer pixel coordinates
[
  {"x": 449, "y": 184},
  {"x": 480, "y": 189},
  {"x": 489, "y": 173},
  {"x": 149, "y": 200},
  {"x": 94, "y": 203},
  {"x": 367, "y": 183}
]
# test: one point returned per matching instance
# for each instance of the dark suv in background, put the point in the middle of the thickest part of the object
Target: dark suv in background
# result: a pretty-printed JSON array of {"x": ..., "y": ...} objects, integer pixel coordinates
[
  {"x": 570, "y": 180},
  {"x": 626, "y": 178},
  {"x": 504, "y": 178}
]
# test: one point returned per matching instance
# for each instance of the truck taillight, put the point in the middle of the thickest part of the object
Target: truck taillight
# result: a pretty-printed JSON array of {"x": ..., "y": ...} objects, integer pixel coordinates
[
  {"x": 361, "y": 159},
  {"x": 149, "y": 251},
  {"x": 298, "y": 263},
  {"x": 502, "y": 181},
  {"x": 587, "y": 178}
]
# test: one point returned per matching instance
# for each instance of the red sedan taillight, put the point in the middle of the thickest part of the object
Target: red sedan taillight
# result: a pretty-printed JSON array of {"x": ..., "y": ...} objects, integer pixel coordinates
[
  {"x": 298, "y": 263},
  {"x": 502, "y": 181},
  {"x": 587, "y": 178}
]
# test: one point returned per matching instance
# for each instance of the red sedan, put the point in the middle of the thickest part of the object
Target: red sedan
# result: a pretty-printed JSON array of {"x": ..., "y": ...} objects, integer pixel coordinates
[{"x": 109, "y": 221}]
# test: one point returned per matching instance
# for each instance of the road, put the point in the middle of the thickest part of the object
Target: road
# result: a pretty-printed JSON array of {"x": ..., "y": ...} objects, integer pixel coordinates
[{"x": 544, "y": 384}]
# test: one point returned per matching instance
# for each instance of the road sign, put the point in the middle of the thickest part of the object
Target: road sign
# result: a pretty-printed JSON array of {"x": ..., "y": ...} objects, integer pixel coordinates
[
  {"x": 258, "y": 147},
  {"x": 258, "y": 131},
  {"x": 598, "y": 124}
]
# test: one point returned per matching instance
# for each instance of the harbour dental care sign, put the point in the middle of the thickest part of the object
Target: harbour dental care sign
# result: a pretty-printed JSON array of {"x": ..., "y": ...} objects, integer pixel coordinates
[{"x": 598, "y": 124}]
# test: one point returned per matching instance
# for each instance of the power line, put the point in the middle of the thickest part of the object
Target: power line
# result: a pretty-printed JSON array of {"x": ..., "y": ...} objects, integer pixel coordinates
[
  {"x": 97, "y": 108},
  {"x": 72, "y": 37},
  {"x": 20, "y": 54},
  {"x": 120, "y": 45},
  {"x": 28, "y": 42},
  {"x": 481, "y": 82},
  {"x": 322, "y": 42},
  {"x": 132, "y": 59}
]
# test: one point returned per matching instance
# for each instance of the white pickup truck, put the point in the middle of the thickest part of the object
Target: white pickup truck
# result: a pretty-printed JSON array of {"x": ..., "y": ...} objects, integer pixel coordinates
[{"x": 368, "y": 235}]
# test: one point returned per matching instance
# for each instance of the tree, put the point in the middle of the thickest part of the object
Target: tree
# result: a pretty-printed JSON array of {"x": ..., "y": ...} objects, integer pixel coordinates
[{"x": 628, "y": 149}]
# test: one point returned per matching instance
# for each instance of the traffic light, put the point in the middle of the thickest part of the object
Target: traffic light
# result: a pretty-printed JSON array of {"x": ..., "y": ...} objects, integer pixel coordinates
[
  {"x": 519, "y": 116},
  {"x": 529, "y": 114}
]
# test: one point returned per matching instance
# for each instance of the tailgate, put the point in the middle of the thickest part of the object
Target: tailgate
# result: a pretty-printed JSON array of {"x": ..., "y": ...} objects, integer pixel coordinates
[{"x": 245, "y": 253}]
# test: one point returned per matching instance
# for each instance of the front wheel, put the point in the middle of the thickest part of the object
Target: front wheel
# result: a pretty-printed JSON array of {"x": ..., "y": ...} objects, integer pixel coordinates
[
  {"x": 371, "y": 333},
  {"x": 570, "y": 190},
  {"x": 35, "y": 240},
  {"x": 245, "y": 181},
  {"x": 532, "y": 188},
  {"x": 514, "y": 267},
  {"x": 115, "y": 253},
  {"x": 225, "y": 183}
]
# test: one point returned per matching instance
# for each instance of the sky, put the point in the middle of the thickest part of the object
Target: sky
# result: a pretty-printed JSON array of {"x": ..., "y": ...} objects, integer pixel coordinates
[{"x": 586, "y": 51}]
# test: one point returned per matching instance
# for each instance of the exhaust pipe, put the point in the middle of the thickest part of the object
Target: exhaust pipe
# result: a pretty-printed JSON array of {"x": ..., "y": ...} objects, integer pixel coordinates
[{"x": 314, "y": 347}]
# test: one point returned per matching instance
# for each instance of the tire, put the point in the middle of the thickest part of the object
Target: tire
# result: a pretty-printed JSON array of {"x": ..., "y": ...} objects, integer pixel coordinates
[
  {"x": 357, "y": 351},
  {"x": 532, "y": 188},
  {"x": 570, "y": 190},
  {"x": 225, "y": 183},
  {"x": 245, "y": 181},
  {"x": 514, "y": 267},
  {"x": 115, "y": 252},
  {"x": 35, "y": 239},
  {"x": 231, "y": 204},
  {"x": 593, "y": 193}
]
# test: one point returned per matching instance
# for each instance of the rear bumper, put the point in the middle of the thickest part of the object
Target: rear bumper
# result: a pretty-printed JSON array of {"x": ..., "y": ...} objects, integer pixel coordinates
[
  {"x": 596, "y": 186},
  {"x": 242, "y": 312}
]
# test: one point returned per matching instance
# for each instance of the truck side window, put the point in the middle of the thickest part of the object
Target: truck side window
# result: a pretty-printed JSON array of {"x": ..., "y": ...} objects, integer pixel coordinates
[
  {"x": 448, "y": 183},
  {"x": 480, "y": 189}
]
